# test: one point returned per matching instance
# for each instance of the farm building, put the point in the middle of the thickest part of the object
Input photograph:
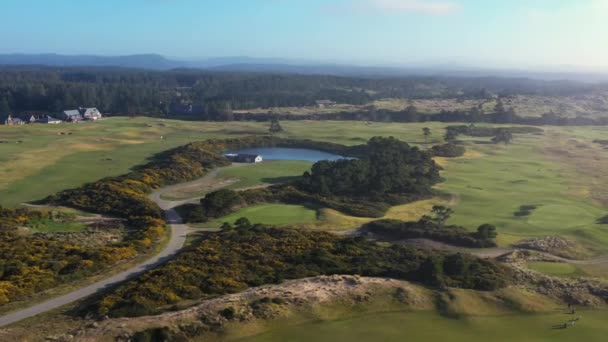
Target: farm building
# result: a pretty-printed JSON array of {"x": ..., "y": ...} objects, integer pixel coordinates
[
  {"x": 325, "y": 103},
  {"x": 12, "y": 121},
  {"x": 244, "y": 158}
]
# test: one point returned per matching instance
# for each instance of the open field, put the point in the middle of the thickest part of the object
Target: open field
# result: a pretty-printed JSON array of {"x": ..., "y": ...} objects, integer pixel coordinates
[{"x": 430, "y": 326}]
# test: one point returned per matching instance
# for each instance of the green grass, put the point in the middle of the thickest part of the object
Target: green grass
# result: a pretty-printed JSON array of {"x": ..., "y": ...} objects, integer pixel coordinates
[
  {"x": 268, "y": 172},
  {"x": 50, "y": 226},
  {"x": 557, "y": 269},
  {"x": 492, "y": 186},
  {"x": 272, "y": 214},
  {"x": 429, "y": 326}
]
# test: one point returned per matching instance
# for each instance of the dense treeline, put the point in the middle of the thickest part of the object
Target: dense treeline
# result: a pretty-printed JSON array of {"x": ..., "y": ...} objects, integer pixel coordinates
[
  {"x": 30, "y": 264},
  {"x": 214, "y": 95},
  {"x": 246, "y": 256},
  {"x": 387, "y": 169}
]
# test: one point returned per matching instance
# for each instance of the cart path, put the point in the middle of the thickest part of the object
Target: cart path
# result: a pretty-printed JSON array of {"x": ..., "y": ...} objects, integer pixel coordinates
[{"x": 179, "y": 231}]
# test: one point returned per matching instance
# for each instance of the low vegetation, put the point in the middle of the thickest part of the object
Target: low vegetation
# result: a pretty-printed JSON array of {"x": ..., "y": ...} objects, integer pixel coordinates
[
  {"x": 32, "y": 263},
  {"x": 246, "y": 255},
  {"x": 434, "y": 228}
]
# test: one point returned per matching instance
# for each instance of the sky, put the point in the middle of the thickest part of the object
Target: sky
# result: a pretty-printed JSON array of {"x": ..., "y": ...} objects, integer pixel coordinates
[{"x": 486, "y": 33}]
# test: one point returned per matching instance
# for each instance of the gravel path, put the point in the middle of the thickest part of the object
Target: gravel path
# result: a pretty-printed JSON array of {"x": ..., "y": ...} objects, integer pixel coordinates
[{"x": 179, "y": 231}]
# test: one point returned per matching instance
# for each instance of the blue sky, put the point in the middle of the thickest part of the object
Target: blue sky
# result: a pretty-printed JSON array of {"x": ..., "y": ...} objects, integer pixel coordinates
[{"x": 507, "y": 33}]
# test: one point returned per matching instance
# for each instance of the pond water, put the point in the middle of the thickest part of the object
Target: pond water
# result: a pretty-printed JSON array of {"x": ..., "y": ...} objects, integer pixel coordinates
[{"x": 280, "y": 153}]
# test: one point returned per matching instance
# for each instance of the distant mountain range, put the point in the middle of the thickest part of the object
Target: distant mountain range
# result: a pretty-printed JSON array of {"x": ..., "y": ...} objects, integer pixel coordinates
[{"x": 286, "y": 66}]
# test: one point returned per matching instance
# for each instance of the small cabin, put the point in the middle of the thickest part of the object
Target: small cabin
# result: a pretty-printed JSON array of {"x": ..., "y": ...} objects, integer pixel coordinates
[{"x": 244, "y": 158}]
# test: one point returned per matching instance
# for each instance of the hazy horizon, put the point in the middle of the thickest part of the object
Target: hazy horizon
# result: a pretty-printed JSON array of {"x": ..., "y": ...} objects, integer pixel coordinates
[{"x": 519, "y": 34}]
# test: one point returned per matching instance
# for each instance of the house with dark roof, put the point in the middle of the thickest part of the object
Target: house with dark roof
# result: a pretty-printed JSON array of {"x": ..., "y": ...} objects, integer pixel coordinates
[{"x": 244, "y": 158}]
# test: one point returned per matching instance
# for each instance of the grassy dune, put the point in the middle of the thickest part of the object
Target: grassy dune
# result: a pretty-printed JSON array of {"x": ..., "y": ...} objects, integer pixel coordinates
[{"x": 464, "y": 315}]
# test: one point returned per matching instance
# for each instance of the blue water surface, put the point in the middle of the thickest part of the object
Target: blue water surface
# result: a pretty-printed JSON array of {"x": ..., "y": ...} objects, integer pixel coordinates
[{"x": 280, "y": 153}]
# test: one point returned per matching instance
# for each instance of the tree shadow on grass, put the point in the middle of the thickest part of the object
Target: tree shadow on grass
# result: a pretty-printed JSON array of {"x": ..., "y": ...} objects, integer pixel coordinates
[{"x": 280, "y": 180}]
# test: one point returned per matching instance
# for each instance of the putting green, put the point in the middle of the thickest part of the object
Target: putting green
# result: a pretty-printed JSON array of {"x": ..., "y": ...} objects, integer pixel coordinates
[{"x": 563, "y": 216}]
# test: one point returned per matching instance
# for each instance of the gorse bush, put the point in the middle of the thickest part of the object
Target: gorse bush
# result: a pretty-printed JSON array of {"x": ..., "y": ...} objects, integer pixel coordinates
[
  {"x": 31, "y": 263},
  {"x": 245, "y": 256}
]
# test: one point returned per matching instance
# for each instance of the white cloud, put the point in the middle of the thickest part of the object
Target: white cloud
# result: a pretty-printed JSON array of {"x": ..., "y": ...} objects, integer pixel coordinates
[{"x": 430, "y": 7}]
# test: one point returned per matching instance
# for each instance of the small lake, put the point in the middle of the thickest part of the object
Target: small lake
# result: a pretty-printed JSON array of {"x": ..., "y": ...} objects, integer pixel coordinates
[{"x": 280, "y": 153}]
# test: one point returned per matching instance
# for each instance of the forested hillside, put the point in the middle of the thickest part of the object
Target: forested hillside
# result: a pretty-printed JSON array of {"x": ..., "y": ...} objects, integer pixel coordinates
[{"x": 214, "y": 95}]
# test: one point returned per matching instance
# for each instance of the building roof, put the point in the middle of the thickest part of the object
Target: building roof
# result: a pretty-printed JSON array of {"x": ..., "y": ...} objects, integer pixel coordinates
[
  {"x": 90, "y": 111},
  {"x": 48, "y": 119},
  {"x": 242, "y": 157},
  {"x": 72, "y": 112}
]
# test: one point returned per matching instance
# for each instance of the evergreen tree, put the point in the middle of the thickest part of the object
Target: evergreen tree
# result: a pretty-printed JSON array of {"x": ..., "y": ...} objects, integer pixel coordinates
[{"x": 275, "y": 126}]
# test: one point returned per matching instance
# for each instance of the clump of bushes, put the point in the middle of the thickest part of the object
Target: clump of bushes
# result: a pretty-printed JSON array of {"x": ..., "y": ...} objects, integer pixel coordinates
[
  {"x": 525, "y": 210},
  {"x": 448, "y": 150},
  {"x": 456, "y": 235}
]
